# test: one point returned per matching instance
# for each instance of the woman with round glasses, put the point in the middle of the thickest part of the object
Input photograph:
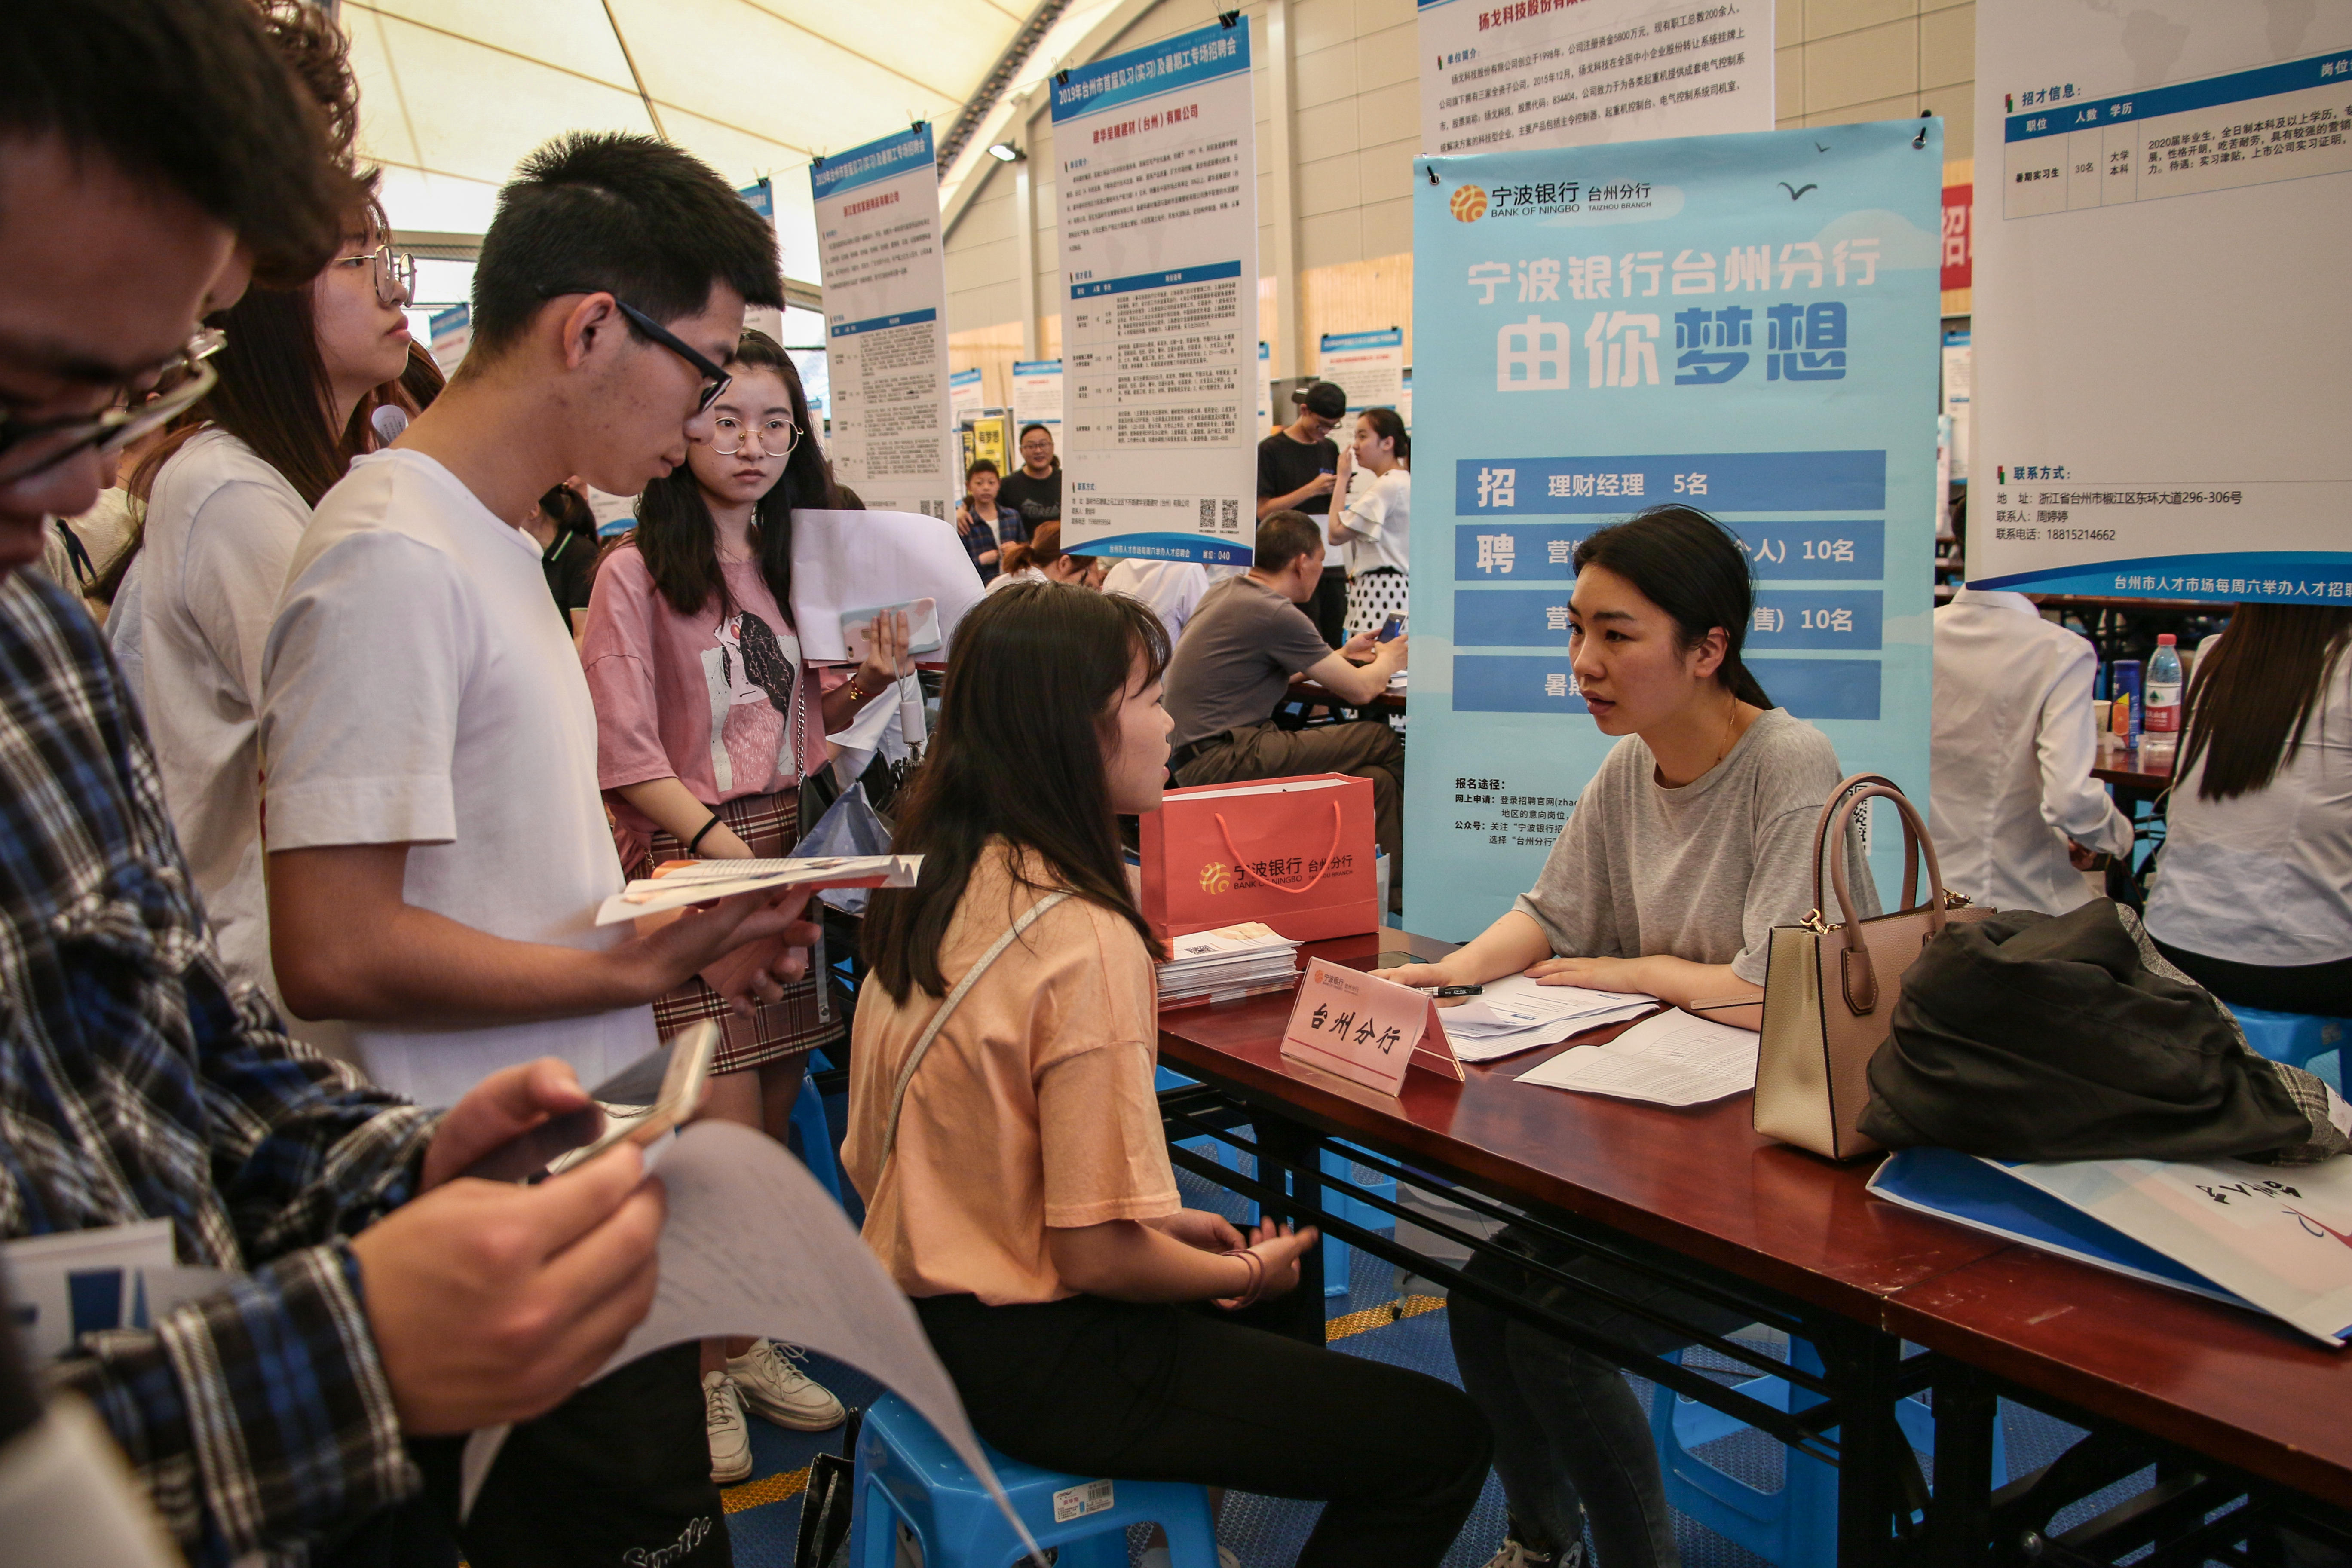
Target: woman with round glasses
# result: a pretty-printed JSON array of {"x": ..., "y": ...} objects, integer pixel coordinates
[
  {"x": 227, "y": 495},
  {"x": 708, "y": 718}
]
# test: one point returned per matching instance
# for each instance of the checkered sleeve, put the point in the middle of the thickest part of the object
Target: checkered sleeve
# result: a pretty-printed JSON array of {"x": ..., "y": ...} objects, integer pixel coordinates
[{"x": 257, "y": 1416}]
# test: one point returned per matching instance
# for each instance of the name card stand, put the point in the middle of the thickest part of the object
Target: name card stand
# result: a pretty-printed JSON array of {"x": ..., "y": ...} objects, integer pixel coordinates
[{"x": 1364, "y": 1030}]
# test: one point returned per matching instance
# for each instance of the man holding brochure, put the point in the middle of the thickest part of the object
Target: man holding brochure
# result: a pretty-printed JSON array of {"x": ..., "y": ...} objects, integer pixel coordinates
[{"x": 438, "y": 845}]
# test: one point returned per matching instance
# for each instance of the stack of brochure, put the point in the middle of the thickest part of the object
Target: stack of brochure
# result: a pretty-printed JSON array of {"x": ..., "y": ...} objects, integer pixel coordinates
[
  {"x": 1219, "y": 965},
  {"x": 1516, "y": 1013}
]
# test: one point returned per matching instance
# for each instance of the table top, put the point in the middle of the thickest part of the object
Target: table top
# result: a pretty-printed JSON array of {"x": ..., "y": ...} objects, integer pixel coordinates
[
  {"x": 2125, "y": 765},
  {"x": 2222, "y": 1380},
  {"x": 1700, "y": 1180},
  {"x": 1390, "y": 701}
]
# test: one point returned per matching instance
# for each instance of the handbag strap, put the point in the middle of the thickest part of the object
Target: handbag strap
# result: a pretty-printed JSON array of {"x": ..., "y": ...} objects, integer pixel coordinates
[
  {"x": 1861, "y": 979},
  {"x": 947, "y": 1009},
  {"x": 1821, "y": 837},
  {"x": 1225, "y": 832}
]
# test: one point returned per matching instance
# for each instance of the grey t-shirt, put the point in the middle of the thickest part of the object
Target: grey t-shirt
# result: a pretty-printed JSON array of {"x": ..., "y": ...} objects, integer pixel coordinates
[
  {"x": 1239, "y": 651},
  {"x": 1703, "y": 872}
]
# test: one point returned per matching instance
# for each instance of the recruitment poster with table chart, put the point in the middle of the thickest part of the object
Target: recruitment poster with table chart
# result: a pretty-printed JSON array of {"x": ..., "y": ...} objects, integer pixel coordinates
[
  {"x": 1157, "y": 194},
  {"x": 878, "y": 220},
  {"x": 2163, "y": 208},
  {"x": 1607, "y": 329}
]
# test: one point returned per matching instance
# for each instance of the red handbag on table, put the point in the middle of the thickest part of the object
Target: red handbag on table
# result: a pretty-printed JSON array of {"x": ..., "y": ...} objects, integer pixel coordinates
[{"x": 1295, "y": 852}]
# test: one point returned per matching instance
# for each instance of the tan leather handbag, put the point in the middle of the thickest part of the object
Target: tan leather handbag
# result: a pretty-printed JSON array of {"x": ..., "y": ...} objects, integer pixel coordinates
[{"x": 1830, "y": 990}]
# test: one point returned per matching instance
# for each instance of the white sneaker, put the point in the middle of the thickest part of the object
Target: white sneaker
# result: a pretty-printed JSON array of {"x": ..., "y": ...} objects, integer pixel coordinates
[
  {"x": 730, "y": 1433},
  {"x": 773, "y": 1388}
]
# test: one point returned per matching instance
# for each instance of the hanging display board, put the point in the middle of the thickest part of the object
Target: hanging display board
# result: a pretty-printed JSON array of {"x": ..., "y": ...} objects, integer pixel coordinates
[
  {"x": 1770, "y": 361},
  {"x": 1038, "y": 393},
  {"x": 965, "y": 397},
  {"x": 1524, "y": 74},
  {"x": 1157, "y": 199},
  {"x": 1367, "y": 366},
  {"x": 2162, "y": 212},
  {"x": 878, "y": 219}
]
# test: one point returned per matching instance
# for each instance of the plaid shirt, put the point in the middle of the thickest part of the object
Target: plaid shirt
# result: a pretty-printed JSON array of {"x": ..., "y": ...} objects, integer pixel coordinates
[{"x": 134, "y": 1085}]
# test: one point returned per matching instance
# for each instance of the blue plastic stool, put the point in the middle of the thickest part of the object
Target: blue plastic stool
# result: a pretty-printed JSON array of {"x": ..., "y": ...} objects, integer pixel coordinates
[
  {"x": 1795, "y": 1527},
  {"x": 1339, "y": 1184},
  {"x": 816, "y": 1137},
  {"x": 2295, "y": 1038},
  {"x": 907, "y": 1474}
]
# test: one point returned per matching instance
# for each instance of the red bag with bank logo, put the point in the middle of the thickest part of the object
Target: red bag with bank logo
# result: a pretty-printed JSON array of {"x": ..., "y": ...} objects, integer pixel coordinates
[{"x": 1295, "y": 852}]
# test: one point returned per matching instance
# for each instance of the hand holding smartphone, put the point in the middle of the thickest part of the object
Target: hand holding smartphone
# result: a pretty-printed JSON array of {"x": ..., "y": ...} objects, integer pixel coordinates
[{"x": 673, "y": 1079}]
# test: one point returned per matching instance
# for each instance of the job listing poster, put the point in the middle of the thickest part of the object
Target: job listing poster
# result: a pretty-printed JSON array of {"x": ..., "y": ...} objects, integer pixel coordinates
[
  {"x": 1521, "y": 74},
  {"x": 877, "y": 223},
  {"x": 2162, "y": 211},
  {"x": 1745, "y": 324},
  {"x": 1157, "y": 204}
]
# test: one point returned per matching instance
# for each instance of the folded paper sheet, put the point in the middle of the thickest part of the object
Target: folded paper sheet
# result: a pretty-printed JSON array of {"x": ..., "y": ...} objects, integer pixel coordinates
[
  {"x": 681, "y": 883},
  {"x": 753, "y": 1246},
  {"x": 1516, "y": 1013},
  {"x": 1671, "y": 1059},
  {"x": 844, "y": 563}
]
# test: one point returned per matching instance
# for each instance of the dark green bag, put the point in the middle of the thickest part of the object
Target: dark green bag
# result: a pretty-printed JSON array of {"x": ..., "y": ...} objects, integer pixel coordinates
[{"x": 2029, "y": 1037}]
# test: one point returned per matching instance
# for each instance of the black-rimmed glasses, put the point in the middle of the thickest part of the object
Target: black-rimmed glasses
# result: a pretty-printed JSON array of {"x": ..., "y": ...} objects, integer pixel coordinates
[
  {"x": 715, "y": 378},
  {"x": 32, "y": 447}
]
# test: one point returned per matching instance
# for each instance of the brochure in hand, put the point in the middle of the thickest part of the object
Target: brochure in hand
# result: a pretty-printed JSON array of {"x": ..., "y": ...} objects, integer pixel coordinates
[{"x": 675, "y": 884}]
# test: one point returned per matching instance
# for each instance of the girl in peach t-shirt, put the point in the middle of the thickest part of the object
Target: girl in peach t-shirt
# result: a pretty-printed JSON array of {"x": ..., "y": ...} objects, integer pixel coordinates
[{"x": 1020, "y": 1192}]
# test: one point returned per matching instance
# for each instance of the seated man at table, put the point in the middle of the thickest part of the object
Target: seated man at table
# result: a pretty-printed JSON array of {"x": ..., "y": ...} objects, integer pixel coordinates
[
  {"x": 1233, "y": 668},
  {"x": 1692, "y": 841}
]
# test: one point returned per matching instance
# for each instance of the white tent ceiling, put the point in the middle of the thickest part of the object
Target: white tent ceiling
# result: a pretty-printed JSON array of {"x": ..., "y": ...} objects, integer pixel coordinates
[{"x": 455, "y": 92}]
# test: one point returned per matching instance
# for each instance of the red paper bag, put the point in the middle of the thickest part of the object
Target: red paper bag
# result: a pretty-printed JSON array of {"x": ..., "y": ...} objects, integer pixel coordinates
[{"x": 1295, "y": 852}]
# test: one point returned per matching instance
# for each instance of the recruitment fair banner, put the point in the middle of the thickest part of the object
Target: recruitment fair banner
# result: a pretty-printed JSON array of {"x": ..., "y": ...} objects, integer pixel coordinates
[
  {"x": 877, "y": 222},
  {"x": 1038, "y": 393},
  {"x": 1524, "y": 74},
  {"x": 2161, "y": 318},
  {"x": 1702, "y": 338},
  {"x": 1157, "y": 195}
]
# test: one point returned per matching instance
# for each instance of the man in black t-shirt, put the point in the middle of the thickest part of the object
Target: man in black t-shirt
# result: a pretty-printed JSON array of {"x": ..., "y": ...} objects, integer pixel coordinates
[
  {"x": 1296, "y": 466},
  {"x": 1035, "y": 489}
]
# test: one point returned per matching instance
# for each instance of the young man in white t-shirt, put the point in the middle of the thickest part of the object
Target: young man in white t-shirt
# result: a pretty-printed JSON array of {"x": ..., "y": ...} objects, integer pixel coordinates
[{"x": 437, "y": 846}]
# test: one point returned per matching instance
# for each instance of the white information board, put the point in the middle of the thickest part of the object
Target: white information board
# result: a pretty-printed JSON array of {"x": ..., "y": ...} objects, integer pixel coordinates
[
  {"x": 965, "y": 397},
  {"x": 2163, "y": 205},
  {"x": 1157, "y": 198},
  {"x": 1038, "y": 393},
  {"x": 1500, "y": 75},
  {"x": 877, "y": 218},
  {"x": 1367, "y": 366}
]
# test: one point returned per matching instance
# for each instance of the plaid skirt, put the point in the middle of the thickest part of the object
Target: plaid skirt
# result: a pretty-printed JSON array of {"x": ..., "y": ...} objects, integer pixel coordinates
[{"x": 807, "y": 1015}]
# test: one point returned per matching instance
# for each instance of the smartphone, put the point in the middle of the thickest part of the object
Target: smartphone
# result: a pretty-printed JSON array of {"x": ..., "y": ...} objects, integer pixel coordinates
[
  {"x": 1392, "y": 630},
  {"x": 668, "y": 1081}
]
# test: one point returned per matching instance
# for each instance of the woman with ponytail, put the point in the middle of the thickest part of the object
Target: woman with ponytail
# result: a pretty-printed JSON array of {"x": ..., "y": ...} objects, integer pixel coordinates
[{"x": 1692, "y": 841}]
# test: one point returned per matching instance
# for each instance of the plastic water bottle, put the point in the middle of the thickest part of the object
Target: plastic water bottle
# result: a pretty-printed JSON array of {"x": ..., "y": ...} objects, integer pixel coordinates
[{"x": 2160, "y": 722}]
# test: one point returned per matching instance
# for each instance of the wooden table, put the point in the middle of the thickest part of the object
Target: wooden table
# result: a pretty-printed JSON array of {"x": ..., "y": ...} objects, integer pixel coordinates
[
  {"x": 1314, "y": 692},
  {"x": 2133, "y": 1362},
  {"x": 2124, "y": 767}
]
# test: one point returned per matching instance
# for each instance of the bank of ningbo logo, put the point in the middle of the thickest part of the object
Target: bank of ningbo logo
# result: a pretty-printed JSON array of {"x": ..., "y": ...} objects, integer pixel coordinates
[
  {"x": 1469, "y": 203},
  {"x": 1215, "y": 879}
]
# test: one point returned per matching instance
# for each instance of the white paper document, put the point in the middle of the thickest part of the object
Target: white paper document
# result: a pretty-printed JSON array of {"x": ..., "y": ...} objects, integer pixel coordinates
[
  {"x": 1516, "y": 1013},
  {"x": 846, "y": 563},
  {"x": 1671, "y": 1059},
  {"x": 753, "y": 1246},
  {"x": 707, "y": 880}
]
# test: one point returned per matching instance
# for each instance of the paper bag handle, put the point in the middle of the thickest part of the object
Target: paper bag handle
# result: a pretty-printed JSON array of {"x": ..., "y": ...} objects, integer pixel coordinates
[{"x": 1226, "y": 833}]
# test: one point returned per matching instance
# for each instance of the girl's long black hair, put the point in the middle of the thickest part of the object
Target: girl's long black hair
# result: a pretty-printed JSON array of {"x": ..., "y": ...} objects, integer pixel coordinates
[
  {"x": 1029, "y": 711},
  {"x": 675, "y": 532},
  {"x": 1695, "y": 569}
]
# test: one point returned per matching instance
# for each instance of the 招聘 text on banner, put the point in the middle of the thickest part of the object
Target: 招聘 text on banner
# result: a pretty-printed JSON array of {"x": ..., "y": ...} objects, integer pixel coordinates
[
  {"x": 877, "y": 223},
  {"x": 1743, "y": 324},
  {"x": 1156, "y": 196}
]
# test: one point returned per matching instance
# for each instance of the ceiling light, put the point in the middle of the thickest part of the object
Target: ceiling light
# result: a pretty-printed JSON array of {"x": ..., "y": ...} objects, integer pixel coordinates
[{"x": 1004, "y": 153}]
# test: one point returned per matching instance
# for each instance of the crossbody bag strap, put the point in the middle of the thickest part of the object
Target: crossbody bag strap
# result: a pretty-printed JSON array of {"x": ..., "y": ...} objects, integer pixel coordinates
[{"x": 1028, "y": 917}]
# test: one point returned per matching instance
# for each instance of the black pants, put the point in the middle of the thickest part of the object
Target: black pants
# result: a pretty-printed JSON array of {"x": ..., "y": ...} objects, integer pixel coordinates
[
  {"x": 1178, "y": 1393},
  {"x": 2322, "y": 988},
  {"x": 1328, "y": 609}
]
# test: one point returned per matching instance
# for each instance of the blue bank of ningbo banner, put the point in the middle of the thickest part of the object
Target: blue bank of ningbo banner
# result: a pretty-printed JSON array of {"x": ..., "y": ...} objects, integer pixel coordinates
[{"x": 1743, "y": 324}]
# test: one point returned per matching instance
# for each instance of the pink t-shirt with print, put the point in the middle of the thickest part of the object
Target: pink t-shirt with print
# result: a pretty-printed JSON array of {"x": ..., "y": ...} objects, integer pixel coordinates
[{"x": 724, "y": 704}]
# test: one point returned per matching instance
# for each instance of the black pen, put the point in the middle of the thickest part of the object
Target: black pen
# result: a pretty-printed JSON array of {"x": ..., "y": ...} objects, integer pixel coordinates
[{"x": 1459, "y": 990}]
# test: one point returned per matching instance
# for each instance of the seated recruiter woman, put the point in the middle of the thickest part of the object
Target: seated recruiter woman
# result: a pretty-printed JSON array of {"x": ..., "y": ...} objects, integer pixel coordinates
[
  {"x": 2253, "y": 887},
  {"x": 1003, "y": 1132},
  {"x": 1039, "y": 559},
  {"x": 708, "y": 718},
  {"x": 983, "y": 525},
  {"x": 1692, "y": 841},
  {"x": 1371, "y": 530}
]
